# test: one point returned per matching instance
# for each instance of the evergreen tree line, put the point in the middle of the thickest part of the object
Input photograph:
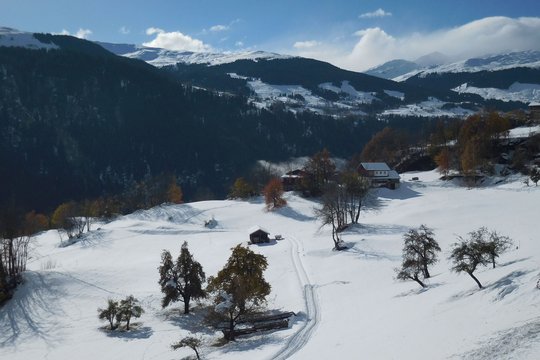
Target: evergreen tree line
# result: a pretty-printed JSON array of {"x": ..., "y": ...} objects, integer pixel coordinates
[{"x": 82, "y": 123}]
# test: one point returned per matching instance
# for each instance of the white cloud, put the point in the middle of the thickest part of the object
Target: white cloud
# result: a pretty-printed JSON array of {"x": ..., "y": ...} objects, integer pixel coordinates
[
  {"x": 239, "y": 44},
  {"x": 81, "y": 33},
  {"x": 175, "y": 40},
  {"x": 305, "y": 44},
  {"x": 485, "y": 36},
  {"x": 124, "y": 30},
  {"x": 219, "y": 28},
  {"x": 375, "y": 14}
]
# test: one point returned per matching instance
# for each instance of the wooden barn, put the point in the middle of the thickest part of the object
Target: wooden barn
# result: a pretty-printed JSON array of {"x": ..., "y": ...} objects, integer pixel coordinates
[
  {"x": 258, "y": 235},
  {"x": 292, "y": 180}
]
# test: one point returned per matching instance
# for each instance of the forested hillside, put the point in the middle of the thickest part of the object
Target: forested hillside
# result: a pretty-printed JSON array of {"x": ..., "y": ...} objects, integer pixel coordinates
[{"x": 80, "y": 122}]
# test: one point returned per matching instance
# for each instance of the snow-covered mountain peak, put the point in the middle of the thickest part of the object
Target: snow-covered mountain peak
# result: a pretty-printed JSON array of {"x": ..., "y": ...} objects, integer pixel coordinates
[
  {"x": 14, "y": 38},
  {"x": 163, "y": 57},
  {"x": 529, "y": 58}
]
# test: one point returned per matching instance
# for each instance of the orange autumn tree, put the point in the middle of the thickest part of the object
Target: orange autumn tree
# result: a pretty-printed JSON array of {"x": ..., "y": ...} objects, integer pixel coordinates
[{"x": 273, "y": 194}]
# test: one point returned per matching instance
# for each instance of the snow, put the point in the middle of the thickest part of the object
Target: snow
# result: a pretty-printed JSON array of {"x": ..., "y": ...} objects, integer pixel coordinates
[
  {"x": 14, "y": 38},
  {"x": 429, "y": 108},
  {"x": 162, "y": 57},
  {"x": 530, "y": 59},
  {"x": 236, "y": 76},
  {"x": 358, "y": 97},
  {"x": 397, "y": 94},
  {"x": 270, "y": 93},
  {"x": 525, "y": 93},
  {"x": 524, "y": 131},
  {"x": 348, "y": 303}
]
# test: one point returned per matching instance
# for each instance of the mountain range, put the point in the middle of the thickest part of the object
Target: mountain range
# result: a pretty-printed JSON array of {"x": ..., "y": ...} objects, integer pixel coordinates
[
  {"x": 301, "y": 84},
  {"x": 81, "y": 121}
]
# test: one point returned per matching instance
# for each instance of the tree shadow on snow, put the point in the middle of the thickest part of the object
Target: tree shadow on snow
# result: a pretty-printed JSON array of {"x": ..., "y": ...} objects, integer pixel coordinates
[
  {"x": 503, "y": 287},
  {"x": 418, "y": 290},
  {"x": 507, "y": 284},
  {"x": 513, "y": 262},
  {"x": 293, "y": 214},
  {"x": 253, "y": 341},
  {"x": 194, "y": 322},
  {"x": 136, "y": 332},
  {"x": 377, "y": 229},
  {"x": 368, "y": 253},
  {"x": 404, "y": 192},
  {"x": 271, "y": 242},
  {"x": 28, "y": 313}
]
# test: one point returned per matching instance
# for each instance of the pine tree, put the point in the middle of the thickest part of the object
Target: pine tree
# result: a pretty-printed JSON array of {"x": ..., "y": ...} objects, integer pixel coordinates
[
  {"x": 241, "y": 189},
  {"x": 240, "y": 287},
  {"x": 181, "y": 281}
]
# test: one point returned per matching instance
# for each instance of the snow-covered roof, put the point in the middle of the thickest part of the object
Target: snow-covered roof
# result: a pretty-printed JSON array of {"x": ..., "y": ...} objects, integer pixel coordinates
[
  {"x": 375, "y": 166},
  {"x": 257, "y": 228},
  {"x": 534, "y": 104}
]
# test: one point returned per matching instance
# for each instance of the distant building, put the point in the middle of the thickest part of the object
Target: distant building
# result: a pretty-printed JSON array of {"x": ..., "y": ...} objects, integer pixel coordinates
[
  {"x": 292, "y": 180},
  {"x": 534, "y": 111},
  {"x": 258, "y": 235},
  {"x": 379, "y": 174}
]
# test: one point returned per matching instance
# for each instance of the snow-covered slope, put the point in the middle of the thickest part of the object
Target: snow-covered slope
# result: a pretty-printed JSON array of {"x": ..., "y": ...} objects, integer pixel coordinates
[
  {"x": 162, "y": 57},
  {"x": 525, "y": 93},
  {"x": 510, "y": 60},
  {"x": 348, "y": 303},
  {"x": 393, "y": 69},
  {"x": 15, "y": 38}
]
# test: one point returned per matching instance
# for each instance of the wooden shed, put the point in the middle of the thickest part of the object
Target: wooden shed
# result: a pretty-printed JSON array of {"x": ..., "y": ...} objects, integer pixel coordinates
[{"x": 258, "y": 235}]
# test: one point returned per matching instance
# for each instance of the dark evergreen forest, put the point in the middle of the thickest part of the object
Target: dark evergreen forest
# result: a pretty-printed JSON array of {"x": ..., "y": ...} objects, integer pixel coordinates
[{"x": 80, "y": 122}]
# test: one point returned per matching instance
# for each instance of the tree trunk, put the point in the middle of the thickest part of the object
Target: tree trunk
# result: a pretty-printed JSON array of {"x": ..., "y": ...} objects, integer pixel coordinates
[
  {"x": 426, "y": 272},
  {"x": 475, "y": 279},
  {"x": 128, "y": 318},
  {"x": 196, "y": 353},
  {"x": 230, "y": 337},
  {"x": 358, "y": 212},
  {"x": 415, "y": 278},
  {"x": 186, "y": 305}
]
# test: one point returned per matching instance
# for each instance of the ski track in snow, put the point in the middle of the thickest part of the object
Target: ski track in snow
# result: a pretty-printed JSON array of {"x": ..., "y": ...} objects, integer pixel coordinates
[{"x": 302, "y": 336}]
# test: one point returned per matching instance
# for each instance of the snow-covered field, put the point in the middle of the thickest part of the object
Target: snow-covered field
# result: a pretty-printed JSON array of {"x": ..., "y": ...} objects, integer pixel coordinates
[
  {"x": 429, "y": 108},
  {"x": 348, "y": 303}
]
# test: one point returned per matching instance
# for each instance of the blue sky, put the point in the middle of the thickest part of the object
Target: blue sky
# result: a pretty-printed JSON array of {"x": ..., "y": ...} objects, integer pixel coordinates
[{"x": 352, "y": 34}]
